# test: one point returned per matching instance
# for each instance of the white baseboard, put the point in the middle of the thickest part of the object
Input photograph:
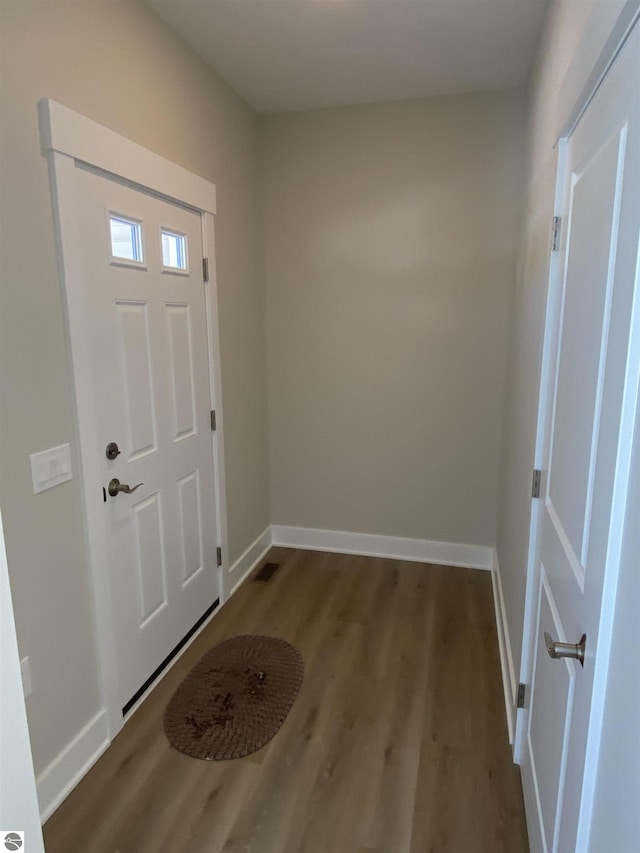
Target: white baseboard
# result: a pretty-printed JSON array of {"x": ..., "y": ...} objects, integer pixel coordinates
[
  {"x": 65, "y": 771},
  {"x": 248, "y": 561},
  {"x": 504, "y": 644},
  {"x": 392, "y": 547}
]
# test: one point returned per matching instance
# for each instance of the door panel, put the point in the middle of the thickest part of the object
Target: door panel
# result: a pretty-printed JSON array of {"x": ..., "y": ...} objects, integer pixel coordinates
[
  {"x": 150, "y": 367},
  {"x": 149, "y": 558},
  {"x": 191, "y": 529},
  {"x": 135, "y": 363},
  {"x": 554, "y": 689},
  {"x": 592, "y": 386},
  {"x": 585, "y": 316},
  {"x": 182, "y": 384}
]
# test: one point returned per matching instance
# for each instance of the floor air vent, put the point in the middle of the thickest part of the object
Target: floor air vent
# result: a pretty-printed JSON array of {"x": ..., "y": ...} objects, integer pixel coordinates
[{"x": 265, "y": 574}]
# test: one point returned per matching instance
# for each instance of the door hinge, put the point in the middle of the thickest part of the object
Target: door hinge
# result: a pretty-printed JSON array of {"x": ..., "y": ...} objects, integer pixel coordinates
[
  {"x": 205, "y": 269},
  {"x": 213, "y": 420},
  {"x": 219, "y": 555},
  {"x": 556, "y": 231},
  {"x": 535, "y": 485},
  {"x": 522, "y": 689}
]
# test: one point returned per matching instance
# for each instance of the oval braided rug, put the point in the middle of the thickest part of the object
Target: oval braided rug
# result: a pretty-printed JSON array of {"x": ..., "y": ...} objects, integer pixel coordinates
[{"x": 235, "y": 698}]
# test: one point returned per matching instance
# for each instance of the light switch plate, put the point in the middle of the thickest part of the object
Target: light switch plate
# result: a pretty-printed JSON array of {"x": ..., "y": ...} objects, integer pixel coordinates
[{"x": 50, "y": 467}]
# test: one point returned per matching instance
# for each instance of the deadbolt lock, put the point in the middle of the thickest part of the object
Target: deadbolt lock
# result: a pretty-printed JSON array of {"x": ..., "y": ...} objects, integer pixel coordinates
[{"x": 112, "y": 450}]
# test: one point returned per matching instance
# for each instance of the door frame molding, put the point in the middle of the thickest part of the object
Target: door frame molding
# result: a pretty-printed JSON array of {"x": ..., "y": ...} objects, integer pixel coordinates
[
  {"x": 627, "y": 18},
  {"x": 626, "y": 27},
  {"x": 69, "y": 139}
]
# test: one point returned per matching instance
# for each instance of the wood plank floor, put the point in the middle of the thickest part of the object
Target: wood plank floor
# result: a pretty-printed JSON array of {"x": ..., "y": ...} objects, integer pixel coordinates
[{"x": 397, "y": 742}]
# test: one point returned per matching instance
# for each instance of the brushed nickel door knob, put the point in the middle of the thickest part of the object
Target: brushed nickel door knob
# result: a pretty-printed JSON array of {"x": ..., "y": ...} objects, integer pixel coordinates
[{"x": 557, "y": 650}]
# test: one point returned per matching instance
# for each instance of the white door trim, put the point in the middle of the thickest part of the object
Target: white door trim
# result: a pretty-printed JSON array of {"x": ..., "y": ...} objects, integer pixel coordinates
[
  {"x": 69, "y": 138},
  {"x": 549, "y": 347},
  {"x": 70, "y": 133},
  {"x": 627, "y": 19}
]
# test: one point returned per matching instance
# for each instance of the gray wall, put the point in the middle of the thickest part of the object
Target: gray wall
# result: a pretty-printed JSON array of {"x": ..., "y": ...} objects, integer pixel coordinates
[
  {"x": 118, "y": 64},
  {"x": 390, "y": 235}
]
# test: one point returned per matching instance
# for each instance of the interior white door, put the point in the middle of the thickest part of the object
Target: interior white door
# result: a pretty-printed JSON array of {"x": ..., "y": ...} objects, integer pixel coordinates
[
  {"x": 592, "y": 404},
  {"x": 18, "y": 795},
  {"x": 145, "y": 296}
]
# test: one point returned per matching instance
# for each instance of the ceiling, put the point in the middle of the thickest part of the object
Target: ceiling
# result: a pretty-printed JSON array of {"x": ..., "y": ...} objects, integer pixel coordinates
[{"x": 303, "y": 54}]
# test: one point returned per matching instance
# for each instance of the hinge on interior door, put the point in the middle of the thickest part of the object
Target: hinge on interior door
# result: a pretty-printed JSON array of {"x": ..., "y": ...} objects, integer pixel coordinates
[
  {"x": 205, "y": 269},
  {"x": 213, "y": 420},
  {"x": 219, "y": 555},
  {"x": 535, "y": 485},
  {"x": 522, "y": 689},
  {"x": 556, "y": 229}
]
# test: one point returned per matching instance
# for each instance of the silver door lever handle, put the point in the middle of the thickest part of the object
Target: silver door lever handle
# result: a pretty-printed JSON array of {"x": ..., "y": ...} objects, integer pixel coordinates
[
  {"x": 565, "y": 650},
  {"x": 115, "y": 487}
]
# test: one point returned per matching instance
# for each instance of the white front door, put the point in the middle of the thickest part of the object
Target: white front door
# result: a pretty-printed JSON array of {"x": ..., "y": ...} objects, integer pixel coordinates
[
  {"x": 144, "y": 292},
  {"x": 593, "y": 388}
]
